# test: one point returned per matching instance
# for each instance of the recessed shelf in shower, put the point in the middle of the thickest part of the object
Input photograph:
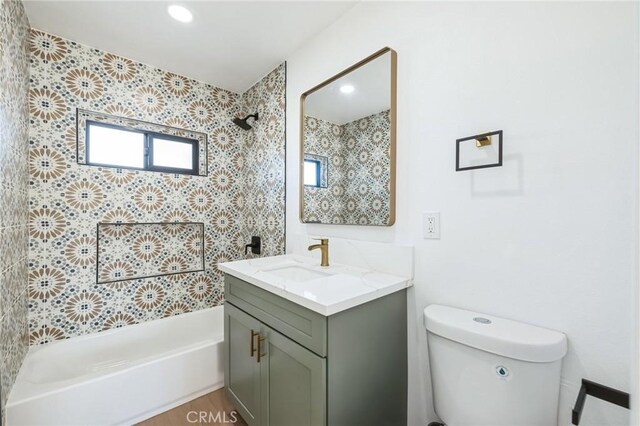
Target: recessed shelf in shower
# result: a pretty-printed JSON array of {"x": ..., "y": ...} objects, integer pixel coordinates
[{"x": 128, "y": 251}]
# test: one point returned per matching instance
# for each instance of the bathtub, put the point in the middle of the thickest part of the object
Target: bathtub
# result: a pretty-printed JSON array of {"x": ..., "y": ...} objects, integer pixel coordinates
[{"x": 121, "y": 376}]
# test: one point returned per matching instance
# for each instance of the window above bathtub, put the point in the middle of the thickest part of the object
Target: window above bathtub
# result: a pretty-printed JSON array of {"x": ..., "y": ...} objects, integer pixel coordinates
[
  {"x": 109, "y": 141},
  {"x": 109, "y": 145}
]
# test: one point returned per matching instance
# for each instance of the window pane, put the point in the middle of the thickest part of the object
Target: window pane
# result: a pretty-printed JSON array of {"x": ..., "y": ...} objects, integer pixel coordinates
[
  {"x": 311, "y": 173},
  {"x": 115, "y": 147},
  {"x": 172, "y": 154}
]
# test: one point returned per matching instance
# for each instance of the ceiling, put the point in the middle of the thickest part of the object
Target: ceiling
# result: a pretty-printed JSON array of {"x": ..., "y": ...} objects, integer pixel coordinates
[
  {"x": 230, "y": 44},
  {"x": 372, "y": 94}
]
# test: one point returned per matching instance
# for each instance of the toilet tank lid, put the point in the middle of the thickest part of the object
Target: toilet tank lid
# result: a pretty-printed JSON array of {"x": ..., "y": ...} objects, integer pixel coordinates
[{"x": 500, "y": 336}]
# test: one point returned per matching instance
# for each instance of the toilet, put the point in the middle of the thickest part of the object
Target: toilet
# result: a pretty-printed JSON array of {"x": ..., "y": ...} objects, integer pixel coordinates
[{"x": 490, "y": 371}]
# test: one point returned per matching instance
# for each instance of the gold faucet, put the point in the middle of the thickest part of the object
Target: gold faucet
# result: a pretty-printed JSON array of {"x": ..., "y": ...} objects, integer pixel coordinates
[{"x": 324, "y": 249}]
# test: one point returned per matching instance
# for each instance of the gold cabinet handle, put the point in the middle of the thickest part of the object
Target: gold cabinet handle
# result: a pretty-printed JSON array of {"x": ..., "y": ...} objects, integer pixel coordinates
[
  {"x": 253, "y": 349},
  {"x": 260, "y": 354}
]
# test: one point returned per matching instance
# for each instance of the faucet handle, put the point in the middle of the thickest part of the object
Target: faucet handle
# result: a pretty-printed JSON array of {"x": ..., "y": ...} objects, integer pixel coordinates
[{"x": 322, "y": 240}]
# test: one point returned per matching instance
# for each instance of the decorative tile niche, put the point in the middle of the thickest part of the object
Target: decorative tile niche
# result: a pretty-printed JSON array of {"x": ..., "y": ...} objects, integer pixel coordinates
[
  {"x": 245, "y": 173},
  {"x": 127, "y": 251}
]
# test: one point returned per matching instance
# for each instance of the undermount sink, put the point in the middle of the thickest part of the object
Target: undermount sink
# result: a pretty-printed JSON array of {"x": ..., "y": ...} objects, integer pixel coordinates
[
  {"x": 324, "y": 290},
  {"x": 297, "y": 273}
]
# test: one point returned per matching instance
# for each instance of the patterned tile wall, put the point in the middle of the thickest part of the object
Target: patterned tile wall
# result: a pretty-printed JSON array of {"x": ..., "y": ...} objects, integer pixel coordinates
[
  {"x": 324, "y": 139},
  {"x": 67, "y": 199},
  {"x": 358, "y": 172},
  {"x": 264, "y": 157},
  {"x": 14, "y": 123}
]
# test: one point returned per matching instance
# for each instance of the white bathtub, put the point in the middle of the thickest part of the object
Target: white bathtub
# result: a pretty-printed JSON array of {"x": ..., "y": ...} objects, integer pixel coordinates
[{"x": 120, "y": 376}]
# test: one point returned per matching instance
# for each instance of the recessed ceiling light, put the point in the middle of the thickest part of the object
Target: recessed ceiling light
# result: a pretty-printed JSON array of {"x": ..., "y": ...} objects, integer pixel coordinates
[
  {"x": 180, "y": 13},
  {"x": 347, "y": 88}
]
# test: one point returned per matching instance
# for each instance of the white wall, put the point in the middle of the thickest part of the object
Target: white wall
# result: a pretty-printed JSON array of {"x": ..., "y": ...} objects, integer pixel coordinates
[{"x": 549, "y": 238}]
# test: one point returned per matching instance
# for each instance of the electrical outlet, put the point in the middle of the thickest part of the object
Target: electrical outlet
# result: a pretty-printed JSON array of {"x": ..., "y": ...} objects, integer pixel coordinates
[{"x": 431, "y": 225}]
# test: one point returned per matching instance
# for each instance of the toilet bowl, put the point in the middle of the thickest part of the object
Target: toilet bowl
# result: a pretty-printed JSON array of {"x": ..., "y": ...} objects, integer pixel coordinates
[{"x": 489, "y": 371}]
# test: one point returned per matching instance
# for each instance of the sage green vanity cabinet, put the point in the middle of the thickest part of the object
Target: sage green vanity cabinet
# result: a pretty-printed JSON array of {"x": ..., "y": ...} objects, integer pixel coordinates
[
  {"x": 242, "y": 372},
  {"x": 286, "y": 365},
  {"x": 284, "y": 387},
  {"x": 293, "y": 383}
]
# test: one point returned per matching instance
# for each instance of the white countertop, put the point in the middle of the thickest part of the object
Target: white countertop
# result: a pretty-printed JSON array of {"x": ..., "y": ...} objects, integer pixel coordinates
[{"x": 344, "y": 287}]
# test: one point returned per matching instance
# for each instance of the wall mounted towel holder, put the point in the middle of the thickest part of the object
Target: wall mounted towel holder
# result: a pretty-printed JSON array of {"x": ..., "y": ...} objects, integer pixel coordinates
[
  {"x": 599, "y": 391},
  {"x": 479, "y": 151}
]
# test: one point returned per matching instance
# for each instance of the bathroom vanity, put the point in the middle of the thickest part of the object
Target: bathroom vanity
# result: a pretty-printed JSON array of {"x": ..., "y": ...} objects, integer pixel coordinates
[{"x": 311, "y": 345}]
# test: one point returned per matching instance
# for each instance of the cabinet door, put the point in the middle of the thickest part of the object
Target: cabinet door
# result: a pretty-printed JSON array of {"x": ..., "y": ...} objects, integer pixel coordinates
[
  {"x": 293, "y": 383},
  {"x": 242, "y": 371}
]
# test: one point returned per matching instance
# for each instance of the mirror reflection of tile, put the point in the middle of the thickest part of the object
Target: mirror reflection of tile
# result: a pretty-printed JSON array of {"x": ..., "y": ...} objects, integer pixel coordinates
[{"x": 358, "y": 179}]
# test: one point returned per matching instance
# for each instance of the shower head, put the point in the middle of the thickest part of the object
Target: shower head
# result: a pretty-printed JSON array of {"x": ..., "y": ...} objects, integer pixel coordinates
[{"x": 242, "y": 122}]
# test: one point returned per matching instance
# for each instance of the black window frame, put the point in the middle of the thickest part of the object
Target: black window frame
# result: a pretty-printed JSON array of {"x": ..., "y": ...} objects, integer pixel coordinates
[
  {"x": 149, "y": 137},
  {"x": 318, "y": 173}
]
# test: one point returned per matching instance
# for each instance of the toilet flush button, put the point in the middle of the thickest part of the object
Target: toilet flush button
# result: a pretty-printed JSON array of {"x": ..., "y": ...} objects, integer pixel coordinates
[
  {"x": 482, "y": 320},
  {"x": 502, "y": 372}
]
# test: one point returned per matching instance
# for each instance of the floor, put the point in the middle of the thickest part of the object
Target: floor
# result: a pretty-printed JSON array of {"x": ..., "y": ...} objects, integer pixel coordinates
[{"x": 211, "y": 409}]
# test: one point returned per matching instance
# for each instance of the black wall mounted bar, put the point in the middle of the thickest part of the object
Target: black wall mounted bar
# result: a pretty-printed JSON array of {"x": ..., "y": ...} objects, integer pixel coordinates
[{"x": 599, "y": 391}]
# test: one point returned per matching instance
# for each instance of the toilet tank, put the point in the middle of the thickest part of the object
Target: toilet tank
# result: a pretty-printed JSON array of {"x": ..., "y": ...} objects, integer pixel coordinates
[{"x": 490, "y": 371}]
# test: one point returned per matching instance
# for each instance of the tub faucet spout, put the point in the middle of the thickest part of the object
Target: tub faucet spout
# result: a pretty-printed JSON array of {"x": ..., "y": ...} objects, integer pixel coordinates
[{"x": 324, "y": 250}]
